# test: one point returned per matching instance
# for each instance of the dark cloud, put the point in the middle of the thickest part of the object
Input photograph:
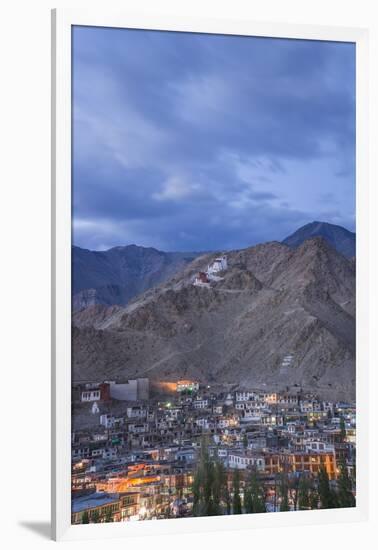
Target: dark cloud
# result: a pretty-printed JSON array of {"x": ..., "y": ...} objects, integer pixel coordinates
[{"x": 194, "y": 142}]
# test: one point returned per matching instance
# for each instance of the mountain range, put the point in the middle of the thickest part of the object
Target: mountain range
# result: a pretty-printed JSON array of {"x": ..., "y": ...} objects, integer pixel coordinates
[
  {"x": 279, "y": 316},
  {"x": 115, "y": 276}
]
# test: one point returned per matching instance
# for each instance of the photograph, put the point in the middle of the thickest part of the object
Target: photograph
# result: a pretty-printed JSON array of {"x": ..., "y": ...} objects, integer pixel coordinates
[{"x": 213, "y": 321}]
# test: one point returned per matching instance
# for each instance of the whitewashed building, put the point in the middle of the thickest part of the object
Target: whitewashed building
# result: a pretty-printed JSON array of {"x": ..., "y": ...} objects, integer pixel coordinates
[
  {"x": 136, "y": 412},
  {"x": 319, "y": 446},
  {"x": 109, "y": 421},
  {"x": 201, "y": 403},
  {"x": 245, "y": 396},
  {"x": 90, "y": 394},
  {"x": 241, "y": 461},
  {"x": 219, "y": 264}
]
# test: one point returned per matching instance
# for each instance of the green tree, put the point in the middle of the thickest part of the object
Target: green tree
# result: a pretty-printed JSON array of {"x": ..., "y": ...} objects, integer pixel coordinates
[
  {"x": 344, "y": 485},
  {"x": 304, "y": 493},
  {"x": 219, "y": 488},
  {"x": 200, "y": 482},
  {"x": 342, "y": 429},
  {"x": 236, "y": 500},
  {"x": 245, "y": 441},
  {"x": 197, "y": 493},
  {"x": 226, "y": 497},
  {"x": 108, "y": 515},
  {"x": 209, "y": 485},
  {"x": 353, "y": 476},
  {"x": 95, "y": 516},
  {"x": 294, "y": 483},
  {"x": 254, "y": 501},
  {"x": 284, "y": 493},
  {"x": 85, "y": 517},
  {"x": 248, "y": 501},
  {"x": 327, "y": 496},
  {"x": 314, "y": 499}
]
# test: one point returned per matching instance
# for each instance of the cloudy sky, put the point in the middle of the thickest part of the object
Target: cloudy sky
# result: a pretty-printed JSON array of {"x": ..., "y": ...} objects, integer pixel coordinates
[{"x": 202, "y": 142}]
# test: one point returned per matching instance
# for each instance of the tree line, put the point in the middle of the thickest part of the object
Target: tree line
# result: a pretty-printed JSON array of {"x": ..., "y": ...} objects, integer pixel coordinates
[{"x": 212, "y": 495}]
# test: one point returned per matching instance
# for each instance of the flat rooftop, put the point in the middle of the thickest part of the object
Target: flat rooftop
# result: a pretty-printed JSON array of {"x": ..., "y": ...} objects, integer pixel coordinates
[{"x": 93, "y": 500}]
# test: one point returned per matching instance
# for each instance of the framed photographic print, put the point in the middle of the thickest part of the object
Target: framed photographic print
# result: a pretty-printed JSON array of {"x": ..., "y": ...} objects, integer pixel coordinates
[{"x": 210, "y": 200}]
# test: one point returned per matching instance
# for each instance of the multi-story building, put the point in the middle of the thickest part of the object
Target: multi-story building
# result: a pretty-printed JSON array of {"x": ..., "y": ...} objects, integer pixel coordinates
[{"x": 98, "y": 507}]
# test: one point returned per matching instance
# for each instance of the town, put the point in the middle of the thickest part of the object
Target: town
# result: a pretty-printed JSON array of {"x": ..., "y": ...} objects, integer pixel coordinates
[{"x": 143, "y": 449}]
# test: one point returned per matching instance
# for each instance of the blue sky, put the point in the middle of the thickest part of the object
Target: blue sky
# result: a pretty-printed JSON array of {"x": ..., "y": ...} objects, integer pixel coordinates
[{"x": 205, "y": 142}]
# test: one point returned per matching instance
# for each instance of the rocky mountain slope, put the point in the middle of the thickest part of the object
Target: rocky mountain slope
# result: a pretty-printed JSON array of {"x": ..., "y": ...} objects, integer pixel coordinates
[
  {"x": 278, "y": 317},
  {"x": 117, "y": 275},
  {"x": 341, "y": 239}
]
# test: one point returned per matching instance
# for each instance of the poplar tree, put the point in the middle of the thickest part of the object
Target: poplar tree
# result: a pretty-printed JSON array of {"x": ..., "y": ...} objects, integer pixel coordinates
[
  {"x": 201, "y": 488},
  {"x": 196, "y": 489},
  {"x": 96, "y": 516},
  {"x": 248, "y": 502},
  {"x": 344, "y": 486},
  {"x": 108, "y": 515},
  {"x": 219, "y": 488},
  {"x": 255, "y": 495},
  {"x": 304, "y": 502},
  {"x": 258, "y": 496},
  {"x": 342, "y": 429},
  {"x": 226, "y": 496},
  {"x": 314, "y": 499},
  {"x": 85, "y": 517},
  {"x": 284, "y": 493},
  {"x": 209, "y": 487},
  {"x": 236, "y": 500},
  {"x": 327, "y": 497}
]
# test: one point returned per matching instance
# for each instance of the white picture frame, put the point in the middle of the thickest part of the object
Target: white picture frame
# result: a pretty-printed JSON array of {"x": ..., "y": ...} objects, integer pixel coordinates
[{"x": 62, "y": 21}]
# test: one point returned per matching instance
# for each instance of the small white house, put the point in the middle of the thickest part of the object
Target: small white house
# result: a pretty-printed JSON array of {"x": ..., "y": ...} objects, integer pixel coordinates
[
  {"x": 138, "y": 428},
  {"x": 90, "y": 395},
  {"x": 136, "y": 412},
  {"x": 201, "y": 403}
]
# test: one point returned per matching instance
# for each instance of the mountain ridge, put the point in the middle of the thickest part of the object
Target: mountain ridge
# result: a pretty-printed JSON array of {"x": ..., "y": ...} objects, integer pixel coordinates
[
  {"x": 272, "y": 301},
  {"x": 117, "y": 275},
  {"x": 343, "y": 240}
]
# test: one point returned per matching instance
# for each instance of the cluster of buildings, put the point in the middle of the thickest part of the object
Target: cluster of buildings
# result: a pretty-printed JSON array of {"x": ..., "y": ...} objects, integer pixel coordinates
[
  {"x": 203, "y": 278},
  {"x": 136, "y": 456},
  {"x": 130, "y": 390}
]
